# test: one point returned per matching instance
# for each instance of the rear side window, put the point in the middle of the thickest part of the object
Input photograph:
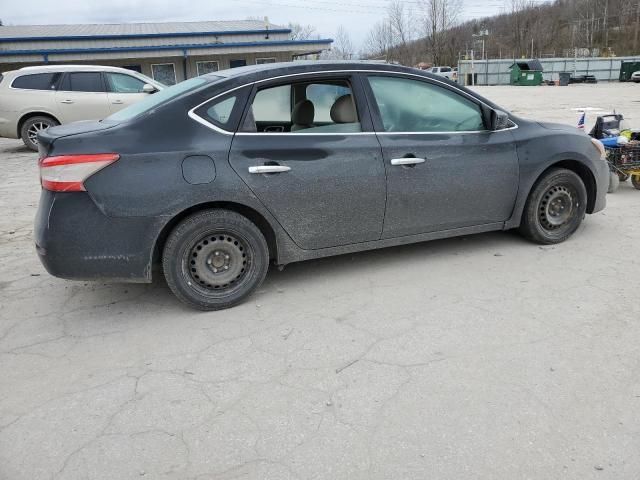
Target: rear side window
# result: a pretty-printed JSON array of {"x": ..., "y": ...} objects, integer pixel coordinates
[
  {"x": 224, "y": 111},
  {"x": 122, "y": 83},
  {"x": 37, "y": 81},
  {"x": 82, "y": 82}
]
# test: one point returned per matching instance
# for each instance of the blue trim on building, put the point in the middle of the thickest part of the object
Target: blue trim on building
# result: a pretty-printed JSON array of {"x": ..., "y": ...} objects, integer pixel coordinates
[
  {"x": 184, "y": 48},
  {"x": 128, "y": 36}
]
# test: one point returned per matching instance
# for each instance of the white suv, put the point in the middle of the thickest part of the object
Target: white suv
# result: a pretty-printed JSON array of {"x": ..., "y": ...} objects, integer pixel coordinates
[
  {"x": 36, "y": 98},
  {"x": 447, "y": 72}
]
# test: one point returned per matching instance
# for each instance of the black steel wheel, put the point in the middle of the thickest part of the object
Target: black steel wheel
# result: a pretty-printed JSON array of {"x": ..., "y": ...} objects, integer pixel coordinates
[
  {"x": 555, "y": 207},
  {"x": 635, "y": 181},
  {"x": 32, "y": 127},
  {"x": 214, "y": 259}
]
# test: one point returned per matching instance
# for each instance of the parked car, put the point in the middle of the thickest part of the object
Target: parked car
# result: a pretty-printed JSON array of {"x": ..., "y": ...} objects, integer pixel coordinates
[
  {"x": 447, "y": 72},
  {"x": 219, "y": 175},
  {"x": 635, "y": 77},
  {"x": 36, "y": 98}
]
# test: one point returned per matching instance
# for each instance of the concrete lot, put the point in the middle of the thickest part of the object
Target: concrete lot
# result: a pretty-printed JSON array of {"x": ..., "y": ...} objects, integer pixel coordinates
[{"x": 485, "y": 357}]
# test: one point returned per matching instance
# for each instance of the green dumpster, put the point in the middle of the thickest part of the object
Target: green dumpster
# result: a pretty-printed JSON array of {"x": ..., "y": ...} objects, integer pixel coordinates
[
  {"x": 627, "y": 69},
  {"x": 526, "y": 72}
]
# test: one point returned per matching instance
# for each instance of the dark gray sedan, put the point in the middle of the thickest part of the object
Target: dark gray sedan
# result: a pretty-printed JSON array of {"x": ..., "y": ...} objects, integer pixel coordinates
[{"x": 221, "y": 174}]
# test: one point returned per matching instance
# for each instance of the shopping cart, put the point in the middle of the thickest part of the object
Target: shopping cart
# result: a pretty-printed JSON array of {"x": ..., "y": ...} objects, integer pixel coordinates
[{"x": 623, "y": 159}]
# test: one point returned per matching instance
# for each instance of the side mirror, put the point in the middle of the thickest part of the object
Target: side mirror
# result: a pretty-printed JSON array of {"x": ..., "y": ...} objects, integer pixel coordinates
[
  {"x": 148, "y": 88},
  {"x": 499, "y": 120}
]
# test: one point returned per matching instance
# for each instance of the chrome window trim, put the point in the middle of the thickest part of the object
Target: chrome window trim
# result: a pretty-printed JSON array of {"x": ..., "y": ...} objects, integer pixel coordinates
[{"x": 210, "y": 125}]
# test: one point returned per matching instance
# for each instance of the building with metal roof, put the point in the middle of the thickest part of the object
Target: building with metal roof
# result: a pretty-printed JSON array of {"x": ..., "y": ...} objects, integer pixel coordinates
[{"x": 169, "y": 52}]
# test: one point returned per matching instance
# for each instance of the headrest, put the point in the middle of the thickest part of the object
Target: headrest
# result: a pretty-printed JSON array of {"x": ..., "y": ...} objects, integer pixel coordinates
[
  {"x": 303, "y": 113},
  {"x": 343, "y": 110}
]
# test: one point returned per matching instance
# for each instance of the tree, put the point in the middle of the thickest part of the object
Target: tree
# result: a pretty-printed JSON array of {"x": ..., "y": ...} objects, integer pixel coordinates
[
  {"x": 439, "y": 17},
  {"x": 342, "y": 48},
  {"x": 302, "y": 32}
]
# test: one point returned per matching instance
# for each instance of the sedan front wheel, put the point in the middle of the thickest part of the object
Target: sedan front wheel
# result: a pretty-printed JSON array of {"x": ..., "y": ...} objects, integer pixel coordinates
[{"x": 555, "y": 207}]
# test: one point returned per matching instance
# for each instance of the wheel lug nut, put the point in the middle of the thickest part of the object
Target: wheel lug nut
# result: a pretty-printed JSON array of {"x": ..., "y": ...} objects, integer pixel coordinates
[
  {"x": 226, "y": 267},
  {"x": 209, "y": 262},
  {"x": 226, "y": 257},
  {"x": 215, "y": 270}
]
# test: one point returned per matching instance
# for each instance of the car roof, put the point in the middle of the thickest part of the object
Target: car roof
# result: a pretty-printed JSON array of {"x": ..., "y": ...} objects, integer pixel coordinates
[
  {"x": 70, "y": 68},
  {"x": 268, "y": 70}
]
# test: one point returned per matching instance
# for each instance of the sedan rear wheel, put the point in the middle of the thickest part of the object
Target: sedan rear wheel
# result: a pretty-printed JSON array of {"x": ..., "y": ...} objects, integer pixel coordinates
[
  {"x": 215, "y": 259},
  {"x": 32, "y": 127},
  {"x": 555, "y": 207}
]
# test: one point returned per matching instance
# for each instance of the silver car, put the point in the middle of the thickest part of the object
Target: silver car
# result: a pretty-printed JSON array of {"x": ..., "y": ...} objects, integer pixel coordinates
[{"x": 35, "y": 98}]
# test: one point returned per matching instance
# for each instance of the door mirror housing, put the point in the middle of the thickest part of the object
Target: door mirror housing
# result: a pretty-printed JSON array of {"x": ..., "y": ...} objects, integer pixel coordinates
[
  {"x": 148, "y": 88},
  {"x": 499, "y": 120}
]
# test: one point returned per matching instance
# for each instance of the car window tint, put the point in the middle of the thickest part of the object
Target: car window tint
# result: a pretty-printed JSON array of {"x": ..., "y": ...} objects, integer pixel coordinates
[
  {"x": 220, "y": 112},
  {"x": 301, "y": 107},
  {"x": 37, "y": 81},
  {"x": 273, "y": 104},
  {"x": 323, "y": 96},
  {"x": 122, "y": 83},
  {"x": 83, "y": 82},
  {"x": 414, "y": 106}
]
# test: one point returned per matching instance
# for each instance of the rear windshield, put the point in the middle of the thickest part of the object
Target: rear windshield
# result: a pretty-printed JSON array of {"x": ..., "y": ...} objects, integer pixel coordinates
[{"x": 155, "y": 99}]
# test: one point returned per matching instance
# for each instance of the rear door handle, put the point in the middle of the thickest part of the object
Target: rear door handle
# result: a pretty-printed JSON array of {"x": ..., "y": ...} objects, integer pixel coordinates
[
  {"x": 269, "y": 169},
  {"x": 66, "y": 101},
  {"x": 407, "y": 161}
]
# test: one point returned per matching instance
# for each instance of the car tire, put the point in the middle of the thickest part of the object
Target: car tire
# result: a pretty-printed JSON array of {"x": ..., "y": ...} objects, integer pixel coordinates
[
  {"x": 215, "y": 259},
  {"x": 635, "y": 181},
  {"x": 32, "y": 126},
  {"x": 555, "y": 207},
  {"x": 614, "y": 182}
]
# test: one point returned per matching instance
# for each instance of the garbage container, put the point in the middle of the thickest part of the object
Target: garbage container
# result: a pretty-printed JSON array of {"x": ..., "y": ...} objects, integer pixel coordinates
[{"x": 564, "y": 78}]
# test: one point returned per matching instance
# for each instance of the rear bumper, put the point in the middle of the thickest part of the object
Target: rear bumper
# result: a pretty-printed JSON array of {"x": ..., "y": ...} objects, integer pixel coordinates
[{"x": 75, "y": 240}]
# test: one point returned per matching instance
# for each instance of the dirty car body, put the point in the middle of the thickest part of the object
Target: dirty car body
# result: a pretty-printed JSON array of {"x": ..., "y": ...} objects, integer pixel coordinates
[{"x": 288, "y": 162}]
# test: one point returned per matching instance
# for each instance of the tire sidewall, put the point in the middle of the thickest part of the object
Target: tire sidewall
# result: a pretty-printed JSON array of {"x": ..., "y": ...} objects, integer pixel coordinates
[
  {"x": 532, "y": 227},
  {"x": 24, "y": 135},
  {"x": 182, "y": 239}
]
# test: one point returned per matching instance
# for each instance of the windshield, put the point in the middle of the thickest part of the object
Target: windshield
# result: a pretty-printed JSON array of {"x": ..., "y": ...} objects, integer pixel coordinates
[{"x": 155, "y": 99}]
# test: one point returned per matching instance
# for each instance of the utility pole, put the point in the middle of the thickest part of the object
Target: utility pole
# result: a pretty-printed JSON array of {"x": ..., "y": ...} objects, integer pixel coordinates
[{"x": 635, "y": 33}]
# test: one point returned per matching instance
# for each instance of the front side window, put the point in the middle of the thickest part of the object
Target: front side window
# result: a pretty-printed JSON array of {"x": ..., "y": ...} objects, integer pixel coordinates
[
  {"x": 37, "y": 81},
  {"x": 82, "y": 82},
  {"x": 164, "y": 73},
  {"x": 303, "y": 107},
  {"x": 122, "y": 83},
  {"x": 414, "y": 106}
]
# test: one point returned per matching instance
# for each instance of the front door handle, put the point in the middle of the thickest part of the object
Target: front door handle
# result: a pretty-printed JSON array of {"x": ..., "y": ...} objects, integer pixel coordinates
[
  {"x": 407, "y": 161},
  {"x": 66, "y": 101},
  {"x": 117, "y": 102},
  {"x": 269, "y": 169}
]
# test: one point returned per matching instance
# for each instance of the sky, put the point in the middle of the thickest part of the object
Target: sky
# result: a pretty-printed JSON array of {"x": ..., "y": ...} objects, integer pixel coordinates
[{"x": 357, "y": 16}]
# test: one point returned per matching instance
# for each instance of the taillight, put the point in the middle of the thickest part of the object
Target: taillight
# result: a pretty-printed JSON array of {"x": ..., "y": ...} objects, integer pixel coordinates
[{"x": 67, "y": 173}]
